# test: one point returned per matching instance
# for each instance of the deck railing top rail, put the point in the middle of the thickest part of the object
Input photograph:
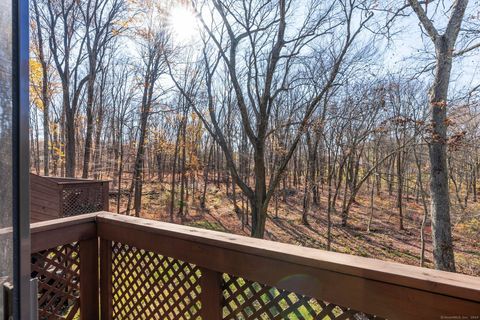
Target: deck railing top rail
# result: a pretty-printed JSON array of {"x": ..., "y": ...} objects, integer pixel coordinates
[{"x": 247, "y": 278}]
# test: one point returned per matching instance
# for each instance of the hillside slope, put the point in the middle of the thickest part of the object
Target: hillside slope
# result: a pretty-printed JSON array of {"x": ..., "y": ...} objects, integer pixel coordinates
[{"x": 384, "y": 241}]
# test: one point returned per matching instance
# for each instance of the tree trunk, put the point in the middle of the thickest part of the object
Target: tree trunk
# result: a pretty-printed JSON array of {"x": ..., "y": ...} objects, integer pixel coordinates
[
  {"x": 89, "y": 133},
  {"x": 258, "y": 202},
  {"x": 183, "y": 178},
  {"x": 400, "y": 189},
  {"x": 474, "y": 181},
  {"x": 440, "y": 197},
  {"x": 206, "y": 167},
  {"x": 259, "y": 217},
  {"x": 97, "y": 163},
  {"x": 174, "y": 169},
  {"x": 370, "y": 218},
  {"x": 70, "y": 145},
  {"x": 425, "y": 208},
  {"x": 330, "y": 173}
]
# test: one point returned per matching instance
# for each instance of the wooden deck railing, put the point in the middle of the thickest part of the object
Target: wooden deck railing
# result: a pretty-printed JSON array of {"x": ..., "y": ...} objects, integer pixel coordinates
[
  {"x": 65, "y": 261},
  {"x": 155, "y": 270}
]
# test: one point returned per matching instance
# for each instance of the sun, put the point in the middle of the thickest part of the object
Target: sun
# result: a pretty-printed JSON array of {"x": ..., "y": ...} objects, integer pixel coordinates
[{"x": 183, "y": 23}]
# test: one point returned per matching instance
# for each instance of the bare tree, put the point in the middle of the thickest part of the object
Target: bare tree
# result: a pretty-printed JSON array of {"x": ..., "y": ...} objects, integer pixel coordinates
[
  {"x": 259, "y": 22},
  {"x": 63, "y": 20},
  {"x": 153, "y": 46},
  {"x": 102, "y": 26},
  {"x": 45, "y": 95},
  {"x": 444, "y": 44}
]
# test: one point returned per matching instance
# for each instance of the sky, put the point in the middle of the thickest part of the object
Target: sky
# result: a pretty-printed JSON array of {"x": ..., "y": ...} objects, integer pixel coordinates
[
  {"x": 410, "y": 45},
  {"x": 404, "y": 53}
]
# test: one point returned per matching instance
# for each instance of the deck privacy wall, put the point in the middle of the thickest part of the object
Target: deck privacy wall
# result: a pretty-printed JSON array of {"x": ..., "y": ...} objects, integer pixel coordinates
[{"x": 53, "y": 197}]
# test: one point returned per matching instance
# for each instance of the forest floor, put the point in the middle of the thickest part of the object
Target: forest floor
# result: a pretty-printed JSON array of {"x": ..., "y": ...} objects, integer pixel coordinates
[{"x": 384, "y": 241}]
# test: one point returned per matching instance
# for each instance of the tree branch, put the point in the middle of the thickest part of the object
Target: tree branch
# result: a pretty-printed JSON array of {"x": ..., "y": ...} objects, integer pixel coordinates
[{"x": 424, "y": 20}]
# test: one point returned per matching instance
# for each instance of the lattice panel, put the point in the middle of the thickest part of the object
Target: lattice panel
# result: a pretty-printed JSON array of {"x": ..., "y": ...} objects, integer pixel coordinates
[
  {"x": 58, "y": 273},
  {"x": 246, "y": 300},
  {"x": 146, "y": 285},
  {"x": 79, "y": 200}
]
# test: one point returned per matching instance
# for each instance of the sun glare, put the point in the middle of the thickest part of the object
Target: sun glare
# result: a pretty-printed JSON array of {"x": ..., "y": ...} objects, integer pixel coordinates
[{"x": 183, "y": 24}]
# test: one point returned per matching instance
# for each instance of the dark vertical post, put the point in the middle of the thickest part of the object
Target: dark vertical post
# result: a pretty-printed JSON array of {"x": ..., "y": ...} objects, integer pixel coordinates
[
  {"x": 60, "y": 200},
  {"x": 89, "y": 279},
  {"x": 20, "y": 159},
  {"x": 106, "y": 279},
  {"x": 34, "y": 299},
  {"x": 105, "y": 192},
  {"x": 7, "y": 301},
  {"x": 211, "y": 295}
]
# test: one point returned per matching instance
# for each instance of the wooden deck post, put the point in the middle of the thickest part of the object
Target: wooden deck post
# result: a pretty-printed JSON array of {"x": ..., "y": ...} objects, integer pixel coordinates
[
  {"x": 106, "y": 297},
  {"x": 211, "y": 294},
  {"x": 89, "y": 279}
]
